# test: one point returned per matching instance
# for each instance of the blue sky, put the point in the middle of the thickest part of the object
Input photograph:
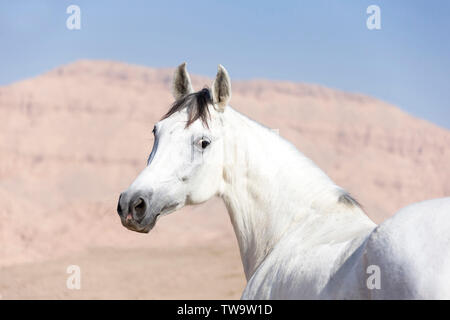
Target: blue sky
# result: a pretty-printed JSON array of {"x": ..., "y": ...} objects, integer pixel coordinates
[{"x": 406, "y": 63}]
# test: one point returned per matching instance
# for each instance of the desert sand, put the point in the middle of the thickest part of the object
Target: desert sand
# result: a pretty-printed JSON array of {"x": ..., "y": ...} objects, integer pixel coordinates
[{"x": 72, "y": 139}]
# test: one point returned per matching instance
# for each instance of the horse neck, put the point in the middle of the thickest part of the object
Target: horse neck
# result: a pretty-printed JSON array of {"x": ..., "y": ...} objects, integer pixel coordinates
[{"x": 270, "y": 187}]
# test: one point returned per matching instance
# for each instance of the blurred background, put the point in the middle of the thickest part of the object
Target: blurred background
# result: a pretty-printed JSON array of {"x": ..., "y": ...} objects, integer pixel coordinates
[{"x": 77, "y": 106}]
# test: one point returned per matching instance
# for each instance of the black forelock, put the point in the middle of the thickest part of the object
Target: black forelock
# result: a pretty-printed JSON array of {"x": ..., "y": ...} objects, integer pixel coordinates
[{"x": 197, "y": 105}]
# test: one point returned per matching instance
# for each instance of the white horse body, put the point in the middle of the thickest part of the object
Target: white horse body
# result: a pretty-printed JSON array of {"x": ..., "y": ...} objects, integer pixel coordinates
[
  {"x": 411, "y": 250},
  {"x": 300, "y": 236},
  {"x": 319, "y": 247}
]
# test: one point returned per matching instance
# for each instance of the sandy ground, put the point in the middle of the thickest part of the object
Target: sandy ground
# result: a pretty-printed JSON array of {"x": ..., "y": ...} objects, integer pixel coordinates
[{"x": 139, "y": 273}]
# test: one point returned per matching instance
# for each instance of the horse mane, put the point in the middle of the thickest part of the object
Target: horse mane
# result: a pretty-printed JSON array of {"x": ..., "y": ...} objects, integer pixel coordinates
[
  {"x": 348, "y": 200},
  {"x": 197, "y": 105}
]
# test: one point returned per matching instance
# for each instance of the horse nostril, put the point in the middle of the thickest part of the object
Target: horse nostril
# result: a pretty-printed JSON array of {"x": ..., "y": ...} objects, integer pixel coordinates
[
  {"x": 139, "y": 207},
  {"x": 119, "y": 207}
]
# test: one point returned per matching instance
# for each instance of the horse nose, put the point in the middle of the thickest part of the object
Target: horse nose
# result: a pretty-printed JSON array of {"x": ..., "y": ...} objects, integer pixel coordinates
[{"x": 132, "y": 205}]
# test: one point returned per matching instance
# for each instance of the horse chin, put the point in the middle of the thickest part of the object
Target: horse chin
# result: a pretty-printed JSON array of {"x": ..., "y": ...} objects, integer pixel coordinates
[{"x": 146, "y": 229}]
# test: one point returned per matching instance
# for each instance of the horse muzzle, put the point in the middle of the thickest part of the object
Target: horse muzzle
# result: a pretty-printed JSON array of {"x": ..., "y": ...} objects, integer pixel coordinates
[{"x": 134, "y": 211}]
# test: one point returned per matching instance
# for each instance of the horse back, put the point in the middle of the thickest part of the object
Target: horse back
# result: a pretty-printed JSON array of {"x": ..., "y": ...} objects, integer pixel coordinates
[{"x": 411, "y": 252}]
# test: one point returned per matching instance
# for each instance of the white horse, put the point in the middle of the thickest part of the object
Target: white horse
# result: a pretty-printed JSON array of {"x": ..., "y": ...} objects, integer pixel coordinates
[{"x": 300, "y": 235}]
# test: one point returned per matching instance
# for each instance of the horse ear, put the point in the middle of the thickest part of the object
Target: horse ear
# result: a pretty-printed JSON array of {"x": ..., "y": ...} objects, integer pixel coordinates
[
  {"x": 221, "y": 88},
  {"x": 181, "y": 84}
]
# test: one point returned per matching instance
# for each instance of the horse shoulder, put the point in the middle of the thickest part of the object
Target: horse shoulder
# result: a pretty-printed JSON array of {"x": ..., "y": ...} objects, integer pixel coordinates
[{"x": 296, "y": 269}]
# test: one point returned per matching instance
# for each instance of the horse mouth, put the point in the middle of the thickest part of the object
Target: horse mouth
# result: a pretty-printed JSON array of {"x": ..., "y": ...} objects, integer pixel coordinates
[
  {"x": 137, "y": 227},
  {"x": 168, "y": 209},
  {"x": 143, "y": 226}
]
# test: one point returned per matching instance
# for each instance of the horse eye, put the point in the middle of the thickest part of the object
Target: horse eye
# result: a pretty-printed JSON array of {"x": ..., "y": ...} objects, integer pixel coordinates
[
  {"x": 205, "y": 143},
  {"x": 202, "y": 142}
]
